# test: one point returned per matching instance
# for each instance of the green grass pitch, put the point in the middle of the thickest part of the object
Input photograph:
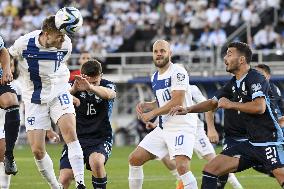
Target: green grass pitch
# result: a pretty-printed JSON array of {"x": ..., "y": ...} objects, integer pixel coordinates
[{"x": 156, "y": 175}]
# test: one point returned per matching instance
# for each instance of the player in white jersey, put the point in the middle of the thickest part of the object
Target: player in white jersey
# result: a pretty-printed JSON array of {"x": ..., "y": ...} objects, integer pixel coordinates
[
  {"x": 174, "y": 135},
  {"x": 9, "y": 102},
  {"x": 42, "y": 56},
  {"x": 202, "y": 146}
]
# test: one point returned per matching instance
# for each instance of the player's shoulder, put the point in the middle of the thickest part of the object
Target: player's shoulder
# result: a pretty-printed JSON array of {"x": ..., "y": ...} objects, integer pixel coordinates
[
  {"x": 193, "y": 88},
  {"x": 254, "y": 74},
  {"x": 178, "y": 68},
  {"x": 107, "y": 83},
  {"x": 26, "y": 37}
]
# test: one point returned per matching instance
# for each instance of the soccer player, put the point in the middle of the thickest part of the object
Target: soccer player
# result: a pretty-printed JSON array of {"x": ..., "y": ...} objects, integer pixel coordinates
[
  {"x": 94, "y": 131},
  {"x": 9, "y": 102},
  {"x": 202, "y": 147},
  {"x": 175, "y": 135},
  {"x": 276, "y": 93},
  {"x": 42, "y": 56},
  {"x": 248, "y": 93}
]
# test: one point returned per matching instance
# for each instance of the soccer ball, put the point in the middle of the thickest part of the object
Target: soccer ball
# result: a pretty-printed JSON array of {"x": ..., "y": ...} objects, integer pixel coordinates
[{"x": 68, "y": 20}]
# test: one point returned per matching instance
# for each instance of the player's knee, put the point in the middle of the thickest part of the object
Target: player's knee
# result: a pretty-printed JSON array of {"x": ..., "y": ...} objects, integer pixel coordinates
[
  {"x": 65, "y": 180},
  {"x": 97, "y": 165},
  {"x": 7, "y": 100},
  {"x": 38, "y": 153},
  {"x": 134, "y": 159}
]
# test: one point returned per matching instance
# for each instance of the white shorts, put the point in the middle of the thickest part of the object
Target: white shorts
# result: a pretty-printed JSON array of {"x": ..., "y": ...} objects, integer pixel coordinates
[
  {"x": 37, "y": 116},
  {"x": 202, "y": 145},
  {"x": 160, "y": 143},
  {"x": 2, "y": 122}
]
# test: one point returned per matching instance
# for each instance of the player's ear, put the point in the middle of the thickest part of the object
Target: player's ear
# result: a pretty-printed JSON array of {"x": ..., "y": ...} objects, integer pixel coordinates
[{"x": 242, "y": 59}]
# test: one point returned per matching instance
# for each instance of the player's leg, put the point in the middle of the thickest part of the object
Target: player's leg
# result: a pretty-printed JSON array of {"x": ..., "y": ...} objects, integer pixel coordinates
[
  {"x": 149, "y": 148},
  {"x": 62, "y": 113},
  {"x": 180, "y": 145},
  {"x": 98, "y": 156},
  {"x": 4, "y": 178},
  {"x": 9, "y": 102},
  {"x": 43, "y": 161},
  {"x": 66, "y": 174},
  {"x": 37, "y": 121},
  {"x": 231, "y": 178},
  {"x": 235, "y": 158}
]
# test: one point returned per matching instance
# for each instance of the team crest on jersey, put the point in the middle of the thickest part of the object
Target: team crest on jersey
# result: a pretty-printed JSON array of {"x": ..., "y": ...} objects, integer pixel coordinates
[
  {"x": 167, "y": 82},
  {"x": 180, "y": 76},
  {"x": 60, "y": 56},
  {"x": 31, "y": 120},
  {"x": 83, "y": 95},
  {"x": 256, "y": 87}
]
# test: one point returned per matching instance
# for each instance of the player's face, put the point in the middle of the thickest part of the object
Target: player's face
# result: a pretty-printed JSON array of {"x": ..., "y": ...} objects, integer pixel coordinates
[
  {"x": 54, "y": 39},
  {"x": 161, "y": 54},
  {"x": 232, "y": 60},
  {"x": 84, "y": 57},
  {"x": 96, "y": 80}
]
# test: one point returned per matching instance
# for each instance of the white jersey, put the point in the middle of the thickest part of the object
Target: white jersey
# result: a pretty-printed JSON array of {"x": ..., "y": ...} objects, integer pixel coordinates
[
  {"x": 197, "y": 97},
  {"x": 175, "y": 78},
  {"x": 43, "y": 70},
  {"x": 2, "y": 45}
]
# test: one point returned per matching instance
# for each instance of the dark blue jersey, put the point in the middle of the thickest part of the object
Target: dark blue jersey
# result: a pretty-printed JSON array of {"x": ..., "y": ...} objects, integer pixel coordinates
[
  {"x": 260, "y": 128},
  {"x": 93, "y": 115},
  {"x": 276, "y": 99}
]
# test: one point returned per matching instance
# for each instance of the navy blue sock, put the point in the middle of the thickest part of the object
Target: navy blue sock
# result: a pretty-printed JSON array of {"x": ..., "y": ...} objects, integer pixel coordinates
[
  {"x": 11, "y": 126},
  {"x": 209, "y": 181},
  {"x": 222, "y": 181},
  {"x": 99, "y": 183}
]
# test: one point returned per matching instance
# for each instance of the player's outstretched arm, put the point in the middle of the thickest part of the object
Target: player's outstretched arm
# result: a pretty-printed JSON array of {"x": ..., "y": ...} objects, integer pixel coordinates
[
  {"x": 7, "y": 75},
  {"x": 176, "y": 100},
  {"x": 103, "y": 92},
  {"x": 257, "y": 106}
]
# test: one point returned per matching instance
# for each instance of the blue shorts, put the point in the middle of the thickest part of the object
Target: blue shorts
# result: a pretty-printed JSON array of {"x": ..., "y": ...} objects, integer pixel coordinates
[
  {"x": 6, "y": 88},
  {"x": 270, "y": 157},
  {"x": 104, "y": 147}
]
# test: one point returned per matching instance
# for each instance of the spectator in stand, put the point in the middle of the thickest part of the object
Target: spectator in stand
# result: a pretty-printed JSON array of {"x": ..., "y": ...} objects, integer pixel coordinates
[
  {"x": 84, "y": 57},
  {"x": 265, "y": 38},
  {"x": 203, "y": 41},
  {"x": 217, "y": 37},
  {"x": 212, "y": 13},
  {"x": 199, "y": 19},
  {"x": 225, "y": 16}
]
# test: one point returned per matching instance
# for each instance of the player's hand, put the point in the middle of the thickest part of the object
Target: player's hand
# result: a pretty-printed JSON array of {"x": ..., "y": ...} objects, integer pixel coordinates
[
  {"x": 7, "y": 76},
  {"x": 224, "y": 103},
  {"x": 213, "y": 135},
  {"x": 82, "y": 83},
  {"x": 178, "y": 110},
  {"x": 139, "y": 109},
  {"x": 150, "y": 125},
  {"x": 76, "y": 101},
  {"x": 146, "y": 117},
  {"x": 53, "y": 136}
]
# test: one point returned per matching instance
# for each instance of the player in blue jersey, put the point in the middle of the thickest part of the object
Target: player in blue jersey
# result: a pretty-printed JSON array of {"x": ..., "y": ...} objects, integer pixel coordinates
[
  {"x": 42, "y": 56},
  {"x": 9, "y": 102},
  {"x": 94, "y": 130},
  {"x": 248, "y": 92}
]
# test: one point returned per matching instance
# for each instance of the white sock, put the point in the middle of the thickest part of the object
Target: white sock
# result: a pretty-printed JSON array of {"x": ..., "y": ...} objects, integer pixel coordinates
[
  {"x": 189, "y": 181},
  {"x": 4, "y": 179},
  {"x": 232, "y": 179},
  {"x": 135, "y": 177},
  {"x": 76, "y": 159},
  {"x": 45, "y": 167},
  {"x": 175, "y": 174}
]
